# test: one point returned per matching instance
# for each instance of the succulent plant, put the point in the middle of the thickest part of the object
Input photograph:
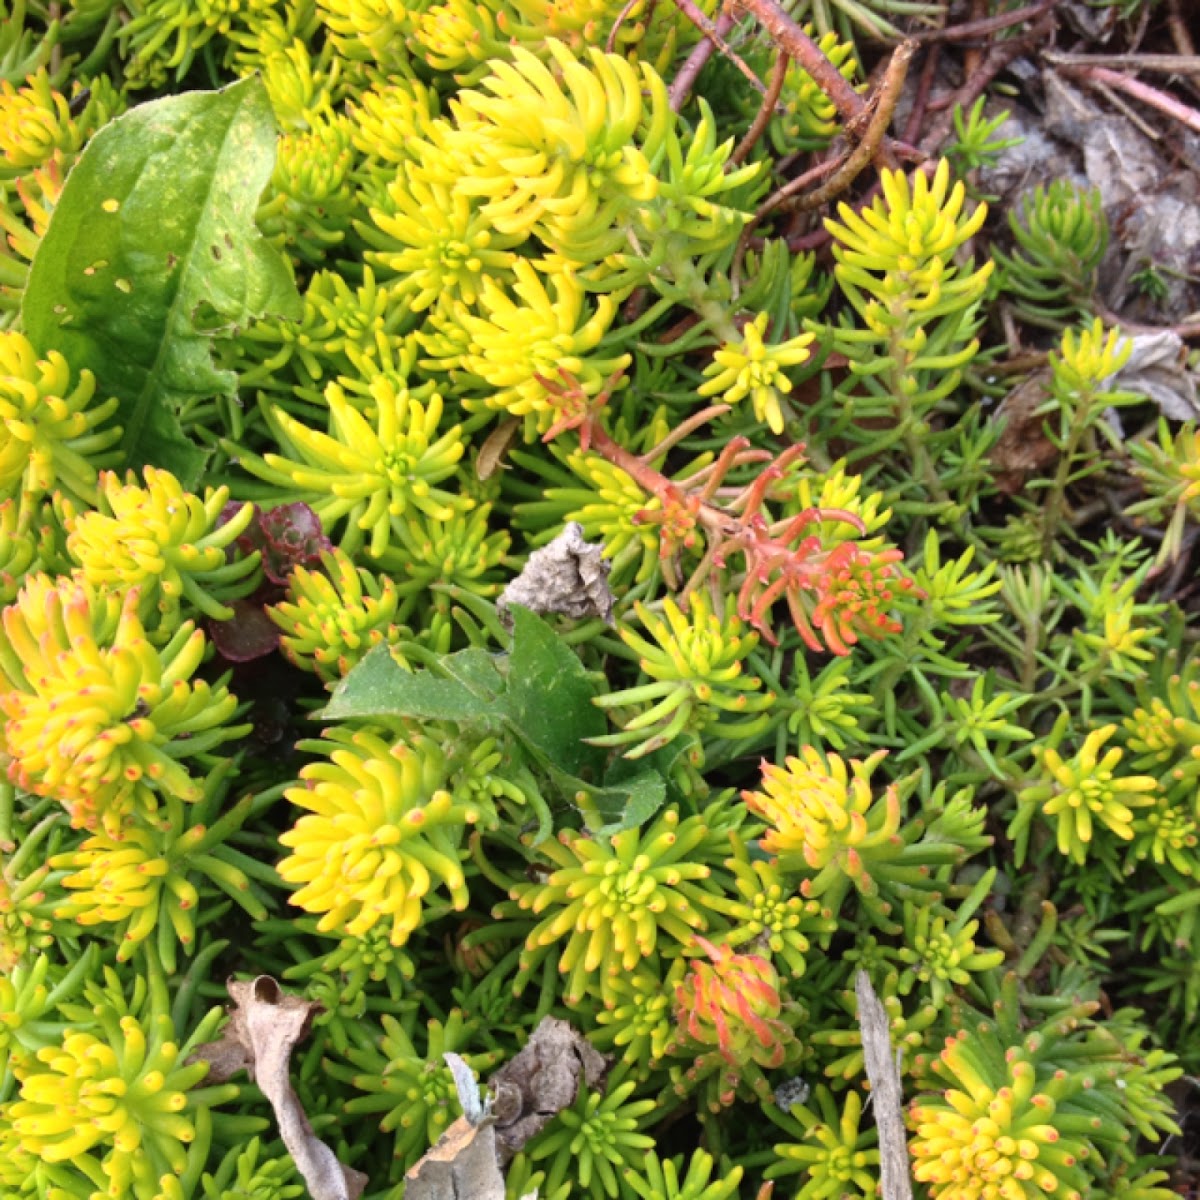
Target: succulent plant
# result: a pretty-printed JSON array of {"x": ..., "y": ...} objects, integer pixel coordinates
[
  {"x": 731, "y": 1011},
  {"x": 451, "y": 278},
  {"x": 695, "y": 666},
  {"x": 380, "y": 832},
  {"x": 407, "y": 1081},
  {"x": 367, "y": 475},
  {"x": 331, "y": 617},
  {"x": 172, "y": 545},
  {"x": 55, "y": 435},
  {"x": 617, "y": 903},
  {"x": 96, "y": 717},
  {"x": 1082, "y": 793}
]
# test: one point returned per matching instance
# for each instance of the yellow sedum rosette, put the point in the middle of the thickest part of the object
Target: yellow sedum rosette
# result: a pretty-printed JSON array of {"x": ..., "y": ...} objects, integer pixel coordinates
[
  {"x": 166, "y": 542},
  {"x": 52, "y": 435},
  {"x": 381, "y": 833},
  {"x": 94, "y": 716},
  {"x": 1085, "y": 791},
  {"x": 372, "y": 469},
  {"x": 755, "y": 369},
  {"x": 123, "y": 1095}
]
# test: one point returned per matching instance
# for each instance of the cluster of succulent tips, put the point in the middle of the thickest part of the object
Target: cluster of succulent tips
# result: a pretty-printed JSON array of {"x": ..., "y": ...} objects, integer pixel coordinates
[{"x": 474, "y": 549}]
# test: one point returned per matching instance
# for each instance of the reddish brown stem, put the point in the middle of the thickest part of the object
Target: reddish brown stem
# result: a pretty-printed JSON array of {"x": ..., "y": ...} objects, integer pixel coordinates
[
  {"x": 996, "y": 60},
  {"x": 685, "y": 428},
  {"x": 652, "y": 482},
  {"x": 622, "y": 17},
  {"x": 709, "y": 479},
  {"x": 811, "y": 176},
  {"x": 973, "y": 55},
  {"x": 792, "y": 198},
  {"x": 883, "y": 106},
  {"x": 780, "y": 560},
  {"x": 1185, "y": 329},
  {"x": 1178, "y": 27},
  {"x": 766, "y": 110},
  {"x": 786, "y": 34},
  {"x": 714, "y": 39},
  {"x": 916, "y": 116},
  {"x": 986, "y": 26},
  {"x": 795, "y": 189},
  {"x": 1181, "y": 112}
]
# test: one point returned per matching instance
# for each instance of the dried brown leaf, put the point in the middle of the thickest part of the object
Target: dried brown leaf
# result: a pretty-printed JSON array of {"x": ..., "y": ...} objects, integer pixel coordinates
[
  {"x": 495, "y": 447},
  {"x": 1023, "y": 447},
  {"x": 465, "y": 1163},
  {"x": 568, "y": 576},
  {"x": 1157, "y": 369},
  {"x": 542, "y": 1080},
  {"x": 263, "y": 1028}
]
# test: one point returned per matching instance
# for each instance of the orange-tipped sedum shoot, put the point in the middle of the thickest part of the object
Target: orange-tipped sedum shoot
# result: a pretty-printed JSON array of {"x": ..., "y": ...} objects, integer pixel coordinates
[{"x": 95, "y": 716}]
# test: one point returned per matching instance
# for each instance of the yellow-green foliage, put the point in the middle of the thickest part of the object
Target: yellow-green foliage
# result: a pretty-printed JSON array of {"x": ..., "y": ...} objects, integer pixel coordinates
[
  {"x": 852, "y": 637},
  {"x": 380, "y": 832},
  {"x": 97, "y": 718}
]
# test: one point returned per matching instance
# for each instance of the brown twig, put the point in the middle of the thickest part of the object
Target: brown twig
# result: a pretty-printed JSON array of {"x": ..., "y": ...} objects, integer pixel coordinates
[
  {"x": 766, "y": 110},
  {"x": 1177, "y": 569},
  {"x": 995, "y": 61},
  {"x": 973, "y": 55},
  {"x": 1020, "y": 364},
  {"x": 811, "y": 176},
  {"x": 1184, "y": 329},
  {"x": 1164, "y": 64},
  {"x": 916, "y": 115},
  {"x": 1179, "y": 30},
  {"x": 793, "y": 198},
  {"x": 714, "y": 39},
  {"x": 786, "y": 34},
  {"x": 883, "y": 106},
  {"x": 1168, "y": 105},
  {"x": 970, "y": 30},
  {"x": 1123, "y": 106},
  {"x": 794, "y": 188},
  {"x": 1177, "y": 27},
  {"x": 1139, "y": 31}
]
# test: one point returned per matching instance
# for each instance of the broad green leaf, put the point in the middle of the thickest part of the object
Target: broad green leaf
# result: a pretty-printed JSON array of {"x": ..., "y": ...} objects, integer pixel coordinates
[
  {"x": 662, "y": 760},
  {"x": 633, "y": 791},
  {"x": 550, "y": 698},
  {"x": 151, "y": 249},
  {"x": 379, "y": 687},
  {"x": 625, "y": 805},
  {"x": 476, "y": 670}
]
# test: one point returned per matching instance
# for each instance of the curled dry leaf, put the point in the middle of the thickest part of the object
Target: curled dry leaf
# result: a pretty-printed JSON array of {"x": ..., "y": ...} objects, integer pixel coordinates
[
  {"x": 264, "y": 1026},
  {"x": 542, "y": 1080},
  {"x": 525, "y": 1094},
  {"x": 495, "y": 447},
  {"x": 464, "y": 1164},
  {"x": 1157, "y": 369},
  {"x": 568, "y": 576},
  {"x": 1022, "y": 447}
]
